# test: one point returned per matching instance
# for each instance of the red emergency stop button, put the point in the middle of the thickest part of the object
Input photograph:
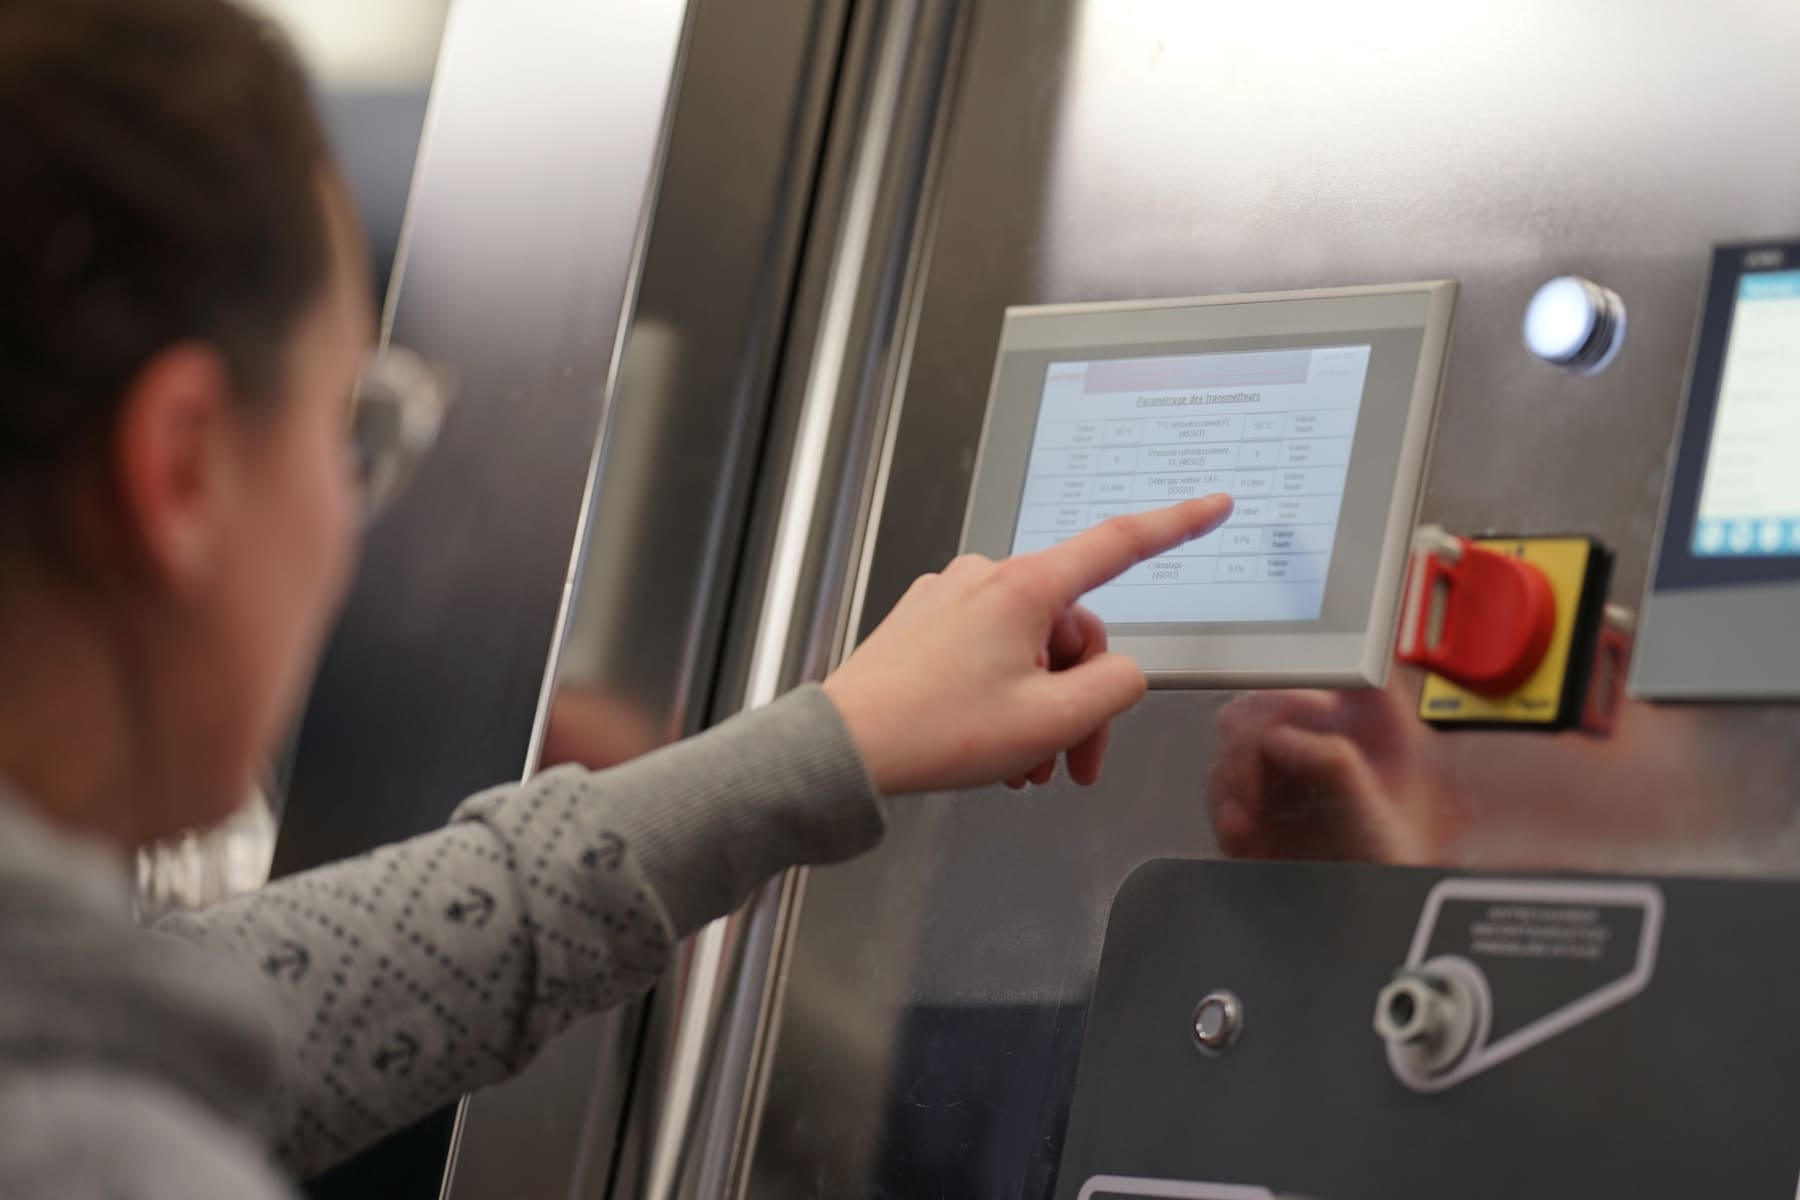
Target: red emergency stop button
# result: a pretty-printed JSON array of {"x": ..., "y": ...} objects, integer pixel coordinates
[{"x": 1479, "y": 618}]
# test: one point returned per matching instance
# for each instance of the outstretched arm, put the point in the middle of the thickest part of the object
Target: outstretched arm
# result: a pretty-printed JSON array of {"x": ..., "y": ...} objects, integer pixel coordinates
[{"x": 407, "y": 977}]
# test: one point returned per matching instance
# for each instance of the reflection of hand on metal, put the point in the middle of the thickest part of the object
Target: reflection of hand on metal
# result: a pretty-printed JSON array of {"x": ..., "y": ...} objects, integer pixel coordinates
[
  {"x": 1357, "y": 775},
  {"x": 1332, "y": 775},
  {"x": 596, "y": 730}
]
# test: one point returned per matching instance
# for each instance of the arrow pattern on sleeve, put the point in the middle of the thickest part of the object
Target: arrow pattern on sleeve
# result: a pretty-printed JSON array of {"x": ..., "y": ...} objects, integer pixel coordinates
[{"x": 475, "y": 908}]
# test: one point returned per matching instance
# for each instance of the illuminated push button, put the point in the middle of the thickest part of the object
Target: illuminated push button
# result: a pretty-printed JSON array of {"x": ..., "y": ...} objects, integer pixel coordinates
[{"x": 1575, "y": 324}]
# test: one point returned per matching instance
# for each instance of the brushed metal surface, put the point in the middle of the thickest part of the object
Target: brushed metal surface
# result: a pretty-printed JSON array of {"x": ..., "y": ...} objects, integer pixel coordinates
[
  {"x": 933, "y": 1009},
  {"x": 517, "y": 265},
  {"x": 717, "y": 1026},
  {"x": 831, "y": 403},
  {"x": 667, "y": 518}
]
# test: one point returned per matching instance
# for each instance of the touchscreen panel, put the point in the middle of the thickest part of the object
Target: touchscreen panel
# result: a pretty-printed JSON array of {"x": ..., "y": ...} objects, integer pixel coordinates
[
  {"x": 1750, "y": 490},
  {"x": 1273, "y": 429}
]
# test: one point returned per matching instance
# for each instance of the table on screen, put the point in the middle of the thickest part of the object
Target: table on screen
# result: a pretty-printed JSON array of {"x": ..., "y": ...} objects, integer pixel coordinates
[{"x": 1273, "y": 429}]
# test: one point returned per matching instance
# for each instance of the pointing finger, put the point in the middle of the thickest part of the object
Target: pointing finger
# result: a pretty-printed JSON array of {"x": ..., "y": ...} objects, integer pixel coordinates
[{"x": 1089, "y": 559}]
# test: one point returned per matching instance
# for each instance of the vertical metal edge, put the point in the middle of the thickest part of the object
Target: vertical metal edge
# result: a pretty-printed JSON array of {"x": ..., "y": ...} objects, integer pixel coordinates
[
  {"x": 875, "y": 504},
  {"x": 640, "y": 1126},
  {"x": 766, "y": 1031},
  {"x": 390, "y": 304},
  {"x": 700, "y": 1014},
  {"x": 627, "y": 311},
  {"x": 627, "y": 308},
  {"x": 825, "y": 372},
  {"x": 721, "y": 1029},
  {"x": 851, "y": 610},
  {"x": 785, "y": 903},
  {"x": 687, "y": 1059},
  {"x": 917, "y": 282}
]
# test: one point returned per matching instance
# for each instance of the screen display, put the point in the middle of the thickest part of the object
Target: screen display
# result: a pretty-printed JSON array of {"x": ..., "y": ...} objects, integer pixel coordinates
[
  {"x": 1272, "y": 428},
  {"x": 1750, "y": 489}
]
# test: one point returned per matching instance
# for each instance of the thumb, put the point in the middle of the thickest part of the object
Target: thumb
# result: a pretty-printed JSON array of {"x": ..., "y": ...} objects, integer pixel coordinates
[{"x": 1096, "y": 691}]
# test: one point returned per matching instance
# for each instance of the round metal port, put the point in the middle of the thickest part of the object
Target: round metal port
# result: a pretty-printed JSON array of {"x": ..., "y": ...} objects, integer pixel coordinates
[{"x": 1430, "y": 1017}]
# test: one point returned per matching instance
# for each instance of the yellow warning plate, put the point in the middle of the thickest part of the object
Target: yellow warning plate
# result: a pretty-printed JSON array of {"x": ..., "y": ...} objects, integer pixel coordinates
[{"x": 1564, "y": 561}]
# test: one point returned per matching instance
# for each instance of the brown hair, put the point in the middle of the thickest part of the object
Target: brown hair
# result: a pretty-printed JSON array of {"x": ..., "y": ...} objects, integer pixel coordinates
[{"x": 159, "y": 167}]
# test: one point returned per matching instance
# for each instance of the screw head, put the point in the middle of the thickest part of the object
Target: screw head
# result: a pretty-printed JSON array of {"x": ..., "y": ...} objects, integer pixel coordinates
[{"x": 1218, "y": 1022}]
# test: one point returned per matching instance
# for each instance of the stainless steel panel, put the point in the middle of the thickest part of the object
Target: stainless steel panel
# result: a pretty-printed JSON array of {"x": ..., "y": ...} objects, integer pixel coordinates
[
  {"x": 668, "y": 513},
  {"x": 700, "y": 1103},
  {"x": 541, "y": 145},
  {"x": 933, "y": 1009}
]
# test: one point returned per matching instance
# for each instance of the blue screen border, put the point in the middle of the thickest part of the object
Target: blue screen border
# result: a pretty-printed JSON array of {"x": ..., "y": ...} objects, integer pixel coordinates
[{"x": 1680, "y": 564}]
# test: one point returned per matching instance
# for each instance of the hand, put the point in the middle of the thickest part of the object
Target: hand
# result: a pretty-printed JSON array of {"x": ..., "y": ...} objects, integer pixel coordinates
[
  {"x": 1333, "y": 775},
  {"x": 989, "y": 671}
]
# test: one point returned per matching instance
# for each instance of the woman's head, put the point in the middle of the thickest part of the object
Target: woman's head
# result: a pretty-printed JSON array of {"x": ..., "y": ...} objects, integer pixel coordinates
[{"x": 183, "y": 311}]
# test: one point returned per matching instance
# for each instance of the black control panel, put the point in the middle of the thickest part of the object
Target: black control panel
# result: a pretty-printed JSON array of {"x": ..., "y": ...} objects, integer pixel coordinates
[{"x": 1262, "y": 1031}]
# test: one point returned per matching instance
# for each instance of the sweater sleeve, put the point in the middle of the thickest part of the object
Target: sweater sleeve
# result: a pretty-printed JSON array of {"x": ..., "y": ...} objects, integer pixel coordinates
[{"x": 429, "y": 968}]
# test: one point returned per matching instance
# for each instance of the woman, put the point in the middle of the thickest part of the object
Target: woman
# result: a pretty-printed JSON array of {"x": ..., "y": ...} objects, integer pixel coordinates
[{"x": 182, "y": 312}]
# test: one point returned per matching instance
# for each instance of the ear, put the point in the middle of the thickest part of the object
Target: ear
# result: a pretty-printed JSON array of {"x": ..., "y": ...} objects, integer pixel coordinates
[{"x": 172, "y": 465}]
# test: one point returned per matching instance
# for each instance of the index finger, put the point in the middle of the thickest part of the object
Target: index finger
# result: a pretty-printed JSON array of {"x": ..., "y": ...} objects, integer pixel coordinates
[{"x": 1089, "y": 559}]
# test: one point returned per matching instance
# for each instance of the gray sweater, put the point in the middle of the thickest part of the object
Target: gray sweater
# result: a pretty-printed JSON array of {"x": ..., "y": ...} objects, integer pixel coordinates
[{"x": 232, "y": 1049}]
